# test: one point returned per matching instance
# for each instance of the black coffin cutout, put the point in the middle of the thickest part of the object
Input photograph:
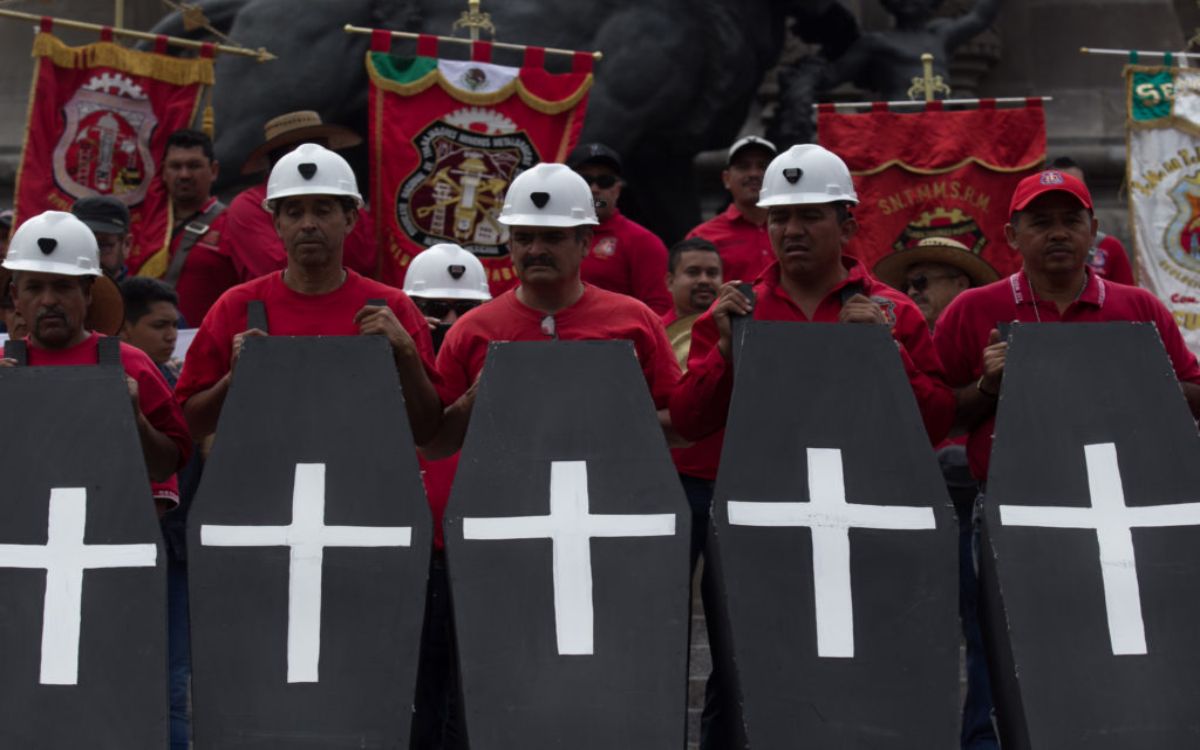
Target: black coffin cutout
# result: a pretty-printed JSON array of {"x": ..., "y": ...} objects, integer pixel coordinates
[
  {"x": 576, "y": 416},
  {"x": 827, "y": 398},
  {"x": 70, "y": 455},
  {"x": 1091, "y": 415},
  {"x": 308, "y": 421}
]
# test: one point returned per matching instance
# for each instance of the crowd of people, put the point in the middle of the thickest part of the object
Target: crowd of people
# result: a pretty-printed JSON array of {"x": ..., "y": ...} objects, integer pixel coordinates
[{"x": 299, "y": 243}]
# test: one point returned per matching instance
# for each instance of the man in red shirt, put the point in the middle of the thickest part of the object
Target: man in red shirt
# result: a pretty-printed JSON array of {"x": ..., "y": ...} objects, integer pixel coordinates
[
  {"x": 193, "y": 263},
  {"x": 314, "y": 198},
  {"x": 740, "y": 231},
  {"x": 550, "y": 211},
  {"x": 808, "y": 192},
  {"x": 625, "y": 257},
  {"x": 1052, "y": 226},
  {"x": 58, "y": 288},
  {"x": 249, "y": 239}
]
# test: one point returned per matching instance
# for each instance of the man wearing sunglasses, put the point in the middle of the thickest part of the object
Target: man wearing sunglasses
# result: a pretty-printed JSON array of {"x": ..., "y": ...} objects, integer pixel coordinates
[
  {"x": 624, "y": 256},
  {"x": 933, "y": 273}
]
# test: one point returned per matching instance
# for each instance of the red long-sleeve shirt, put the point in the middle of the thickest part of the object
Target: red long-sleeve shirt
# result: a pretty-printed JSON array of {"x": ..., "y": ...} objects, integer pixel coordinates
[
  {"x": 627, "y": 258},
  {"x": 700, "y": 404}
]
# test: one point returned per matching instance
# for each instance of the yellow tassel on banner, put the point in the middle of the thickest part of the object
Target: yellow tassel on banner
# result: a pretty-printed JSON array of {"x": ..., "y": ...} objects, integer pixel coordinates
[
  {"x": 209, "y": 125},
  {"x": 180, "y": 71}
]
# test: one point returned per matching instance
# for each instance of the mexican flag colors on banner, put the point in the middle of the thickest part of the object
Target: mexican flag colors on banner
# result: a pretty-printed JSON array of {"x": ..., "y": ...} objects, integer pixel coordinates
[
  {"x": 936, "y": 173},
  {"x": 1164, "y": 187},
  {"x": 447, "y": 137},
  {"x": 99, "y": 117}
]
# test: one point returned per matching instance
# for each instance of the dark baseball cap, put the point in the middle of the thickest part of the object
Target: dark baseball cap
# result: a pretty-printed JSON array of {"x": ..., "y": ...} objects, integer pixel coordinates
[
  {"x": 1049, "y": 181},
  {"x": 594, "y": 153},
  {"x": 6, "y": 218},
  {"x": 102, "y": 213},
  {"x": 748, "y": 142}
]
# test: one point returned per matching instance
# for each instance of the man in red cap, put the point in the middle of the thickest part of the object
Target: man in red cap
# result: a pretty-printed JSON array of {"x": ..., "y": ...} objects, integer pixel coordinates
[{"x": 1052, "y": 226}]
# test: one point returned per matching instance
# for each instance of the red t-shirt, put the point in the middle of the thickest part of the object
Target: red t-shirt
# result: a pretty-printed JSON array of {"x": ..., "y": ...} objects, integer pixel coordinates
[
  {"x": 700, "y": 405},
  {"x": 1110, "y": 261},
  {"x": 254, "y": 247},
  {"x": 596, "y": 315},
  {"x": 438, "y": 477},
  {"x": 290, "y": 313},
  {"x": 154, "y": 395},
  {"x": 207, "y": 272},
  {"x": 701, "y": 457},
  {"x": 627, "y": 258},
  {"x": 744, "y": 247},
  {"x": 963, "y": 329}
]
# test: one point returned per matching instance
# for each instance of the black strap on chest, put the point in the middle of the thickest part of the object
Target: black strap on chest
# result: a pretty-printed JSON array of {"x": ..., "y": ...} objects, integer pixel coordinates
[
  {"x": 741, "y": 322},
  {"x": 256, "y": 315},
  {"x": 108, "y": 351},
  {"x": 16, "y": 349},
  {"x": 192, "y": 232}
]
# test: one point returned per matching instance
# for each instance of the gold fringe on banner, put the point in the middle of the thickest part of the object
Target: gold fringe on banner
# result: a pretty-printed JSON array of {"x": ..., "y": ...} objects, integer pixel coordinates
[{"x": 179, "y": 71}]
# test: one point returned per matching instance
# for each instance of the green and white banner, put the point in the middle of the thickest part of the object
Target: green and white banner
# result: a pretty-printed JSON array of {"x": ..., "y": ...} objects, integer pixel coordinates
[{"x": 1163, "y": 173}]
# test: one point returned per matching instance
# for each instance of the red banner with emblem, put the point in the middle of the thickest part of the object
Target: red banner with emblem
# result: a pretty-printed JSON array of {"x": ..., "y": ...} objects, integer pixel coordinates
[
  {"x": 936, "y": 173},
  {"x": 447, "y": 137},
  {"x": 99, "y": 117}
]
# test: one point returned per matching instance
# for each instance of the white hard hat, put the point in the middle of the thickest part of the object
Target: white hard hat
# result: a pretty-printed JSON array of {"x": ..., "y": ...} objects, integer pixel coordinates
[
  {"x": 806, "y": 173},
  {"x": 54, "y": 242},
  {"x": 548, "y": 195},
  {"x": 310, "y": 169},
  {"x": 446, "y": 271}
]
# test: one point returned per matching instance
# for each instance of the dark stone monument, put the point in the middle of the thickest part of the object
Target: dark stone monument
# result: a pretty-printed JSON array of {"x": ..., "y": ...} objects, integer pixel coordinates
[
  {"x": 835, "y": 547},
  {"x": 567, "y": 536},
  {"x": 309, "y": 549},
  {"x": 1090, "y": 562},
  {"x": 83, "y": 635}
]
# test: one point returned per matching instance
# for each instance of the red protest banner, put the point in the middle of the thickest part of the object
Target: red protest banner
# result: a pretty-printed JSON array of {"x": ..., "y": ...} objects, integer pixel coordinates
[
  {"x": 446, "y": 138},
  {"x": 936, "y": 173},
  {"x": 99, "y": 117}
]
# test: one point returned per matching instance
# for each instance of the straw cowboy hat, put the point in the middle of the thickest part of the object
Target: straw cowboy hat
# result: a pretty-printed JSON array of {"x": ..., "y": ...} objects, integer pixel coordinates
[
  {"x": 297, "y": 127},
  {"x": 892, "y": 269}
]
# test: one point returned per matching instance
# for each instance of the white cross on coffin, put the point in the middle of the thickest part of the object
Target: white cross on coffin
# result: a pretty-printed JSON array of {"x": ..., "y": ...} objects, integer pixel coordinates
[
  {"x": 1113, "y": 521},
  {"x": 571, "y": 527},
  {"x": 64, "y": 557},
  {"x": 830, "y": 518},
  {"x": 307, "y": 537}
]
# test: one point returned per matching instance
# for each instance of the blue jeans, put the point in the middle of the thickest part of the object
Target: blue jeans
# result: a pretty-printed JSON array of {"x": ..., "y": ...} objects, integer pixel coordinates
[
  {"x": 179, "y": 658},
  {"x": 977, "y": 730}
]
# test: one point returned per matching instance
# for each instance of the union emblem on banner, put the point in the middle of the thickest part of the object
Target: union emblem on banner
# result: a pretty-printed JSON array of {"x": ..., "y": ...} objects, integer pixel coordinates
[
  {"x": 448, "y": 136},
  {"x": 936, "y": 173},
  {"x": 99, "y": 117},
  {"x": 1164, "y": 187}
]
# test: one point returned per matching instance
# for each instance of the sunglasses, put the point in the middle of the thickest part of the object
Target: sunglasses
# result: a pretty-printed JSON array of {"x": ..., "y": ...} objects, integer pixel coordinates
[
  {"x": 602, "y": 181},
  {"x": 921, "y": 281},
  {"x": 440, "y": 308}
]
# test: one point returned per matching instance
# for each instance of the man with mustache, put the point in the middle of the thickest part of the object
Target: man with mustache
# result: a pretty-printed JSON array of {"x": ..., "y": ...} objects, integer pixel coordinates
[
  {"x": 1052, "y": 226},
  {"x": 625, "y": 257},
  {"x": 313, "y": 196},
  {"x": 59, "y": 289},
  {"x": 808, "y": 195},
  {"x": 740, "y": 231},
  {"x": 550, "y": 212}
]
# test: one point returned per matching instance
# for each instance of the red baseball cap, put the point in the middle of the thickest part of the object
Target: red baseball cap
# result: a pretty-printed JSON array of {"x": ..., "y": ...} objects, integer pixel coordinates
[{"x": 1045, "y": 182}]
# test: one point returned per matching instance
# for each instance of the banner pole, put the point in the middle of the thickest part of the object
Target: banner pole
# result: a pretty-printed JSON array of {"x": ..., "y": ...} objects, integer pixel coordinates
[
  {"x": 261, "y": 54},
  {"x": 1140, "y": 52},
  {"x": 352, "y": 29},
  {"x": 921, "y": 103}
]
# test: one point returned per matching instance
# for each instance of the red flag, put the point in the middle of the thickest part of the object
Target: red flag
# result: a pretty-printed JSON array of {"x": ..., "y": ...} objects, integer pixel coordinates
[
  {"x": 99, "y": 117},
  {"x": 446, "y": 138},
  {"x": 936, "y": 173}
]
